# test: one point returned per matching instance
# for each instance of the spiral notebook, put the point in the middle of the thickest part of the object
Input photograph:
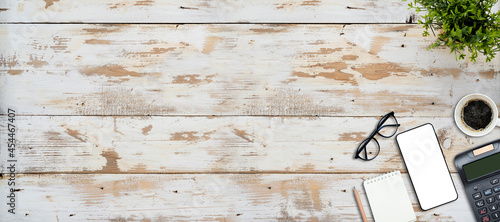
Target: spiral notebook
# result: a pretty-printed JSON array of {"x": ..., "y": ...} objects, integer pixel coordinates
[{"x": 388, "y": 198}]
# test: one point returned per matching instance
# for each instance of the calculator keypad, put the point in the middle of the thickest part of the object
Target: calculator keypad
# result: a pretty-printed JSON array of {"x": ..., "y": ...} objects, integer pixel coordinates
[
  {"x": 480, "y": 203},
  {"x": 495, "y": 215},
  {"x": 490, "y": 200},
  {"x": 487, "y": 192},
  {"x": 493, "y": 207},
  {"x": 486, "y": 199},
  {"x": 494, "y": 181},
  {"x": 482, "y": 211}
]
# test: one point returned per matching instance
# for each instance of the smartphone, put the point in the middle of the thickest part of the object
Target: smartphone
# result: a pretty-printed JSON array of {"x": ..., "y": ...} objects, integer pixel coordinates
[{"x": 426, "y": 166}]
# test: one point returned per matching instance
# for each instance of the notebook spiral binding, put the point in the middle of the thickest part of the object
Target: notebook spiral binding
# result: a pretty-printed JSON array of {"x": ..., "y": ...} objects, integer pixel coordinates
[{"x": 382, "y": 177}]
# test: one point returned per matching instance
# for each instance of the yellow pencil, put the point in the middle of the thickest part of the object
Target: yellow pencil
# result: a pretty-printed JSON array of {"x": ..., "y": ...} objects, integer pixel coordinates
[{"x": 361, "y": 210}]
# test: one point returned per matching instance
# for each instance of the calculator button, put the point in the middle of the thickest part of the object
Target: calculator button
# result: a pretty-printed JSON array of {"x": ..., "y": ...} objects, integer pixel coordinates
[
  {"x": 476, "y": 196},
  {"x": 475, "y": 187},
  {"x": 496, "y": 189},
  {"x": 487, "y": 192},
  {"x": 480, "y": 203},
  {"x": 485, "y": 219},
  {"x": 497, "y": 196},
  {"x": 494, "y": 181},
  {"x": 493, "y": 207},
  {"x": 490, "y": 200},
  {"x": 482, "y": 211},
  {"x": 495, "y": 215}
]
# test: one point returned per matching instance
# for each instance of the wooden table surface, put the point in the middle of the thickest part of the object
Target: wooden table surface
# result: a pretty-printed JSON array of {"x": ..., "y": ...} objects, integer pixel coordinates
[{"x": 199, "y": 110}]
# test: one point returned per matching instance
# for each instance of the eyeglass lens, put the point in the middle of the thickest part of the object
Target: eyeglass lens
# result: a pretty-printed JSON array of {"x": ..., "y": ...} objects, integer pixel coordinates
[
  {"x": 388, "y": 127},
  {"x": 369, "y": 149}
]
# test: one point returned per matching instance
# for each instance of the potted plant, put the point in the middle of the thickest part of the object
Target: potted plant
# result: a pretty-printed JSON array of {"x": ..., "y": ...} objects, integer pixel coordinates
[{"x": 462, "y": 25}]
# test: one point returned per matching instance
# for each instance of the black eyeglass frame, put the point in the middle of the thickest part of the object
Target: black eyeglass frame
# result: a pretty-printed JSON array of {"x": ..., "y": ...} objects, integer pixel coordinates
[{"x": 380, "y": 126}]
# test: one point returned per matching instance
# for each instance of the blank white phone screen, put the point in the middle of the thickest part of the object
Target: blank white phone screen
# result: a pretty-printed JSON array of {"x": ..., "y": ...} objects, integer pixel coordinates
[{"x": 426, "y": 166}]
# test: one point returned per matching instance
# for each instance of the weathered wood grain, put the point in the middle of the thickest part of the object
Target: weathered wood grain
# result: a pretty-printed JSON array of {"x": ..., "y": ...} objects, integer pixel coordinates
[
  {"x": 326, "y": 70},
  {"x": 75, "y": 144},
  {"x": 207, "y": 197},
  {"x": 250, "y": 122},
  {"x": 206, "y": 11}
]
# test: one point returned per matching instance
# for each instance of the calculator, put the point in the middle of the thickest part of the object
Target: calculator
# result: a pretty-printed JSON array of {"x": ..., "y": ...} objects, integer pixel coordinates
[{"x": 479, "y": 169}]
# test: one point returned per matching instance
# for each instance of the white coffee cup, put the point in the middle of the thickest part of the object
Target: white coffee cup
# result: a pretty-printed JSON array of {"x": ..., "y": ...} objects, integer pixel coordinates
[{"x": 466, "y": 129}]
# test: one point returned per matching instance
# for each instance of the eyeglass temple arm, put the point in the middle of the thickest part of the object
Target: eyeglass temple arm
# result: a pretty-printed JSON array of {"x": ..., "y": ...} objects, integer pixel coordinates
[
  {"x": 369, "y": 137},
  {"x": 366, "y": 153},
  {"x": 393, "y": 125},
  {"x": 358, "y": 151}
]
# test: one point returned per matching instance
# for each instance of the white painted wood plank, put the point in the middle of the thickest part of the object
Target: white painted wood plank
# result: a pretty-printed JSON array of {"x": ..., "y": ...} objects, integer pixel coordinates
[
  {"x": 207, "y": 197},
  {"x": 220, "y": 144},
  {"x": 205, "y": 11},
  {"x": 356, "y": 70}
]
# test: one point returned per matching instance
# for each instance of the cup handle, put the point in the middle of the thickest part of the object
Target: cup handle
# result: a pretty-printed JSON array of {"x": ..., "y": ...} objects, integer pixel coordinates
[{"x": 498, "y": 122}]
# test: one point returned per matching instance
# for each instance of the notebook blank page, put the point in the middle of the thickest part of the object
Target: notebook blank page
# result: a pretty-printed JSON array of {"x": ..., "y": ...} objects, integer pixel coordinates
[{"x": 388, "y": 198}]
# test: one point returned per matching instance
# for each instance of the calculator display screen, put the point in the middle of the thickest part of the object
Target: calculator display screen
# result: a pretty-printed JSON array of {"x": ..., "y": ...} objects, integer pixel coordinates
[{"x": 482, "y": 167}]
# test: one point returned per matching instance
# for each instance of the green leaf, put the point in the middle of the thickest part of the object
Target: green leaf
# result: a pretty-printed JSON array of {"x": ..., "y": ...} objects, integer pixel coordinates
[{"x": 464, "y": 25}]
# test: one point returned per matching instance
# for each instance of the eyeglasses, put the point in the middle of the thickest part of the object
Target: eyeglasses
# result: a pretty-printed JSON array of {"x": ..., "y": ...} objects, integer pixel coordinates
[{"x": 369, "y": 148}]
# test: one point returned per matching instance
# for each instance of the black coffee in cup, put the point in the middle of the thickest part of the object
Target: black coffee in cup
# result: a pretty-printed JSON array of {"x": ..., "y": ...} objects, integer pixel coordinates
[{"x": 477, "y": 115}]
